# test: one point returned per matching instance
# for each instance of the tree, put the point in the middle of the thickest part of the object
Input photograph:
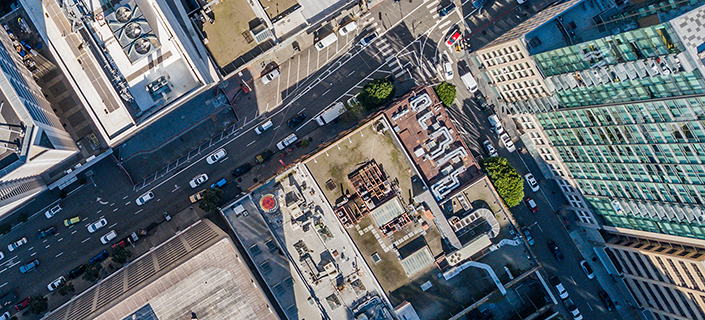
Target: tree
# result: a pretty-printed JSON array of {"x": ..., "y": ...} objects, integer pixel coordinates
[
  {"x": 121, "y": 254},
  {"x": 66, "y": 288},
  {"x": 211, "y": 198},
  {"x": 505, "y": 179},
  {"x": 5, "y": 228},
  {"x": 376, "y": 93},
  {"x": 92, "y": 272},
  {"x": 446, "y": 93},
  {"x": 38, "y": 305}
]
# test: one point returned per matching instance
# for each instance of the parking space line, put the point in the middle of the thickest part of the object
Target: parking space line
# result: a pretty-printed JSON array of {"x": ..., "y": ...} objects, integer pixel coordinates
[
  {"x": 251, "y": 143},
  {"x": 112, "y": 225},
  {"x": 288, "y": 74},
  {"x": 279, "y": 80},
  {"x": 298, "y": 68}
]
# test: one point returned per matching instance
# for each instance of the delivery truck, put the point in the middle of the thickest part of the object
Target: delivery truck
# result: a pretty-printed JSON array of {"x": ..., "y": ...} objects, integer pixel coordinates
[
  {"x": 469, "y": 82},
  {"x": 331, "y": 114}
]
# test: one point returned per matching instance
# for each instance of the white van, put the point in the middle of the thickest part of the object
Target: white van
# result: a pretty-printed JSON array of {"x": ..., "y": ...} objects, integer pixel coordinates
[
  {"x": 347, "y": 28},
  {"x": 287, "y": 141},
  {"x": 328, "y": 40},
  {"x": 331, "y": 114},
  {"x": 469, "y": 82},
  {"x": 263, "y": 127}
]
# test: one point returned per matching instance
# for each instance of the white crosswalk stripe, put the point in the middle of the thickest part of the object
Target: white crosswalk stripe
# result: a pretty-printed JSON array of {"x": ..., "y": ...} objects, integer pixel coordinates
[
  {"x": 444, "y": 24},
  {"x": 432, "y": 4},
  {"x": 400, "y": 74}
]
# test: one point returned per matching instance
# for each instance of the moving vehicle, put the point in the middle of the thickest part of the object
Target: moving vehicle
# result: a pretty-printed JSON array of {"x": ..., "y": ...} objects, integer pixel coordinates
[
  {"x": 507, "y": 142},
  {"x": 573, "y": 309},
  {"x": 347, "y": 28},
  {"x": 495, "y": 124},
  {"x": 490, "y": 148},
  {"x": 264, "y": 156},
  {"x": 2, "y": 255},
  {"x": 144, "y": 198},
  {"x": 76, "y": 272},
  {"x": 326, "y": 41},
  {"x": 529, "y": 239},
  {"x": 241, "y": 170},
  {"x": 555, "y": 250},
  {"x": 5, "y": 316},
  {"x": 216, "y": 155},
  {"x": 7, "y": 299},
  {"x": 447, "y": 67},
  {"x": 41, "y": 234},
  {"x": 271, "y": 75},
  {"x": 331, "y": 114},
  {"x": 296, "y": 120},
  {"x": 29, "y": 267},
  {"x": 587, "y": 269},
  {"x": 609, "y": 304},
  {"x": 531, "y": 204},
  {"x": 218, "y": 184},
  {"x": 367, "y": 40},
  {"x": 197, "y": 196},
  {"x": 106, "y": 238},
  {"x": 95, "y": 226},
  {"x": 287, "y": 141},
  {"x": 444, "y": 11},
  {"x": 453, "y": 36},
  {"x": 23, "y": 304},
  {"x": 53, "y": 211},
  {"x": 12, "y": 246},
  {"x": 562, "y": 292},
  {"x": 479, "y": 4},
  {"x": 263, "y": 127},
  {"x": 198, "y": 180},
  {"x": 56, "y": 283},
  {"x": 71, "y": 221},
  {"x": 99, "y": 257},
  {"x": 469, "y": 82},
  {"x": 532, "y": 182}
]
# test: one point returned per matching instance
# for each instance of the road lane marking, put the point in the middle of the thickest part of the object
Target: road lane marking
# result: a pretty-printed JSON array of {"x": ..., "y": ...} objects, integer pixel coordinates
[
  {"x": 251, "y": 143},
  {"x": 116, "y": 209},
  {"x": 58, "y": 255},
  {"x": 127, "y": 203},
  {"x": 4, "y": 284},
  {"x": 74, "y": 232},
  {"x": 99, "y": 211},
  {"x": 138, "y": 211},
  {"x": 47, "y": 246},
  {"x": 59, "y": 239},
  {"x": 125, "y": 197},
  {"x": 32, "y": 255},
  {"x": 112, "y": 204},
  {"x": 112, "y": 225},
  {"x": 86, "y": 240},
  {"x": 324, "y": 93}
]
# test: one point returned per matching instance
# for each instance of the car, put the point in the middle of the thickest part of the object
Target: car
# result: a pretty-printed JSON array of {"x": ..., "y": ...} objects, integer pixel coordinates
[
  {"x": 120, "y": 243},
  {"x": 531, "y": 204},
  {"x": 144, "y": 198},
  {"x": 287, "y": 141},
  {"x": 609, "y": 304},
  {"x": 448, "y": 70},
  {"x": 219, "y": 184},
  {"x": 216, "y": 155},
  {"x": 76, "y": 272},
  {"x": 23, "y": 304},
  {"x": 490, "y": 148},
  {"x": 367, "y": 40},
  {"x": 562, "y": 292},
  {"x": 53, "y": 211},
  {"x": 495, "y": 123},
  {"x": 264, "y": 156},
  {"x": 2, "y": 255},
  {"x": 453, "y": 36},
  {"x": 95, "y": 226},
  {"x": 347, "y": 28},
  {"x": 99, "y": 257},
  {"x": 444, "y": 11},
  {"x": 197, "y": 196},
  {"x": 296, "y": 120},
  {"x": 241, "y": 169},
  {"x": 271, "y": 75},
  {"x": 71, "y": 221},
  {"x": 573, "y": 309},
  {"x": 263, "y": 127},
  {"x": 12, "y": 246},
  {"x": 5, "y": 316},
  {"x": 479, "y": 4},
  {"x": 198, "y": 180},
  {"x": 527, "y": 234},
  {"x": 41, "y": 234},
  {"x": 521, "y": 1},
  {"x": 532, "y": 182},
  {"x": 555, "y": 250},
  {"x": 507, "y": 142},
  {"x": 29, "y": 267},
  {"x": 587, "y": 269},
  {"x": 106, "y": 238},
  {"x": 56, "y": 283}
]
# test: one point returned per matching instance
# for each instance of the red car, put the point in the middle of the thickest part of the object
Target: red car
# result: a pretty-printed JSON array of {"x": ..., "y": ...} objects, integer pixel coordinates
[
  {"x": 531, "y": 204},
  {"x": 453, "y": 37},
  {"x": 23, "y": 304}
]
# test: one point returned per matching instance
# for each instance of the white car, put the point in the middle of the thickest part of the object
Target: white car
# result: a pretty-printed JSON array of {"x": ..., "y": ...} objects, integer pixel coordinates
[
  {"x": 5, "y": 316},
  {"x": 347, "y": 28},
  {"x": 287, "y": 141},
  {"x": 12, "y": 246},
  {"x": 105, "y": 239},
  {"x": 587, "y": 269},
  {"x": 216, "y": 155},
  {"x": 56, "y": 283},
  {"x": 573, "y": 309},
  {"x": 490, "y": 148},
  {"x": 95, "y": 226},
  {"x": 53, "y": 211},
  {"x": 198, "y": 180},
  {"x": 447, "y": 67},
  {"x": 532, "y": 182},
  {"x": 271, "y": 75},
  {"x": 144, "y": 198},
  {"x": 507, "y": 142},
  {"x": 2, "y": 255},
  {"x": 367, "y": 40}
]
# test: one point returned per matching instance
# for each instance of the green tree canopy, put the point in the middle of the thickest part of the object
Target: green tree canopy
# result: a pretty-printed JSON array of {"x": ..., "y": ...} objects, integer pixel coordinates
[
  {"x": 505, "y": 179},
  {"x": 211, "y": 198},
  {"x": 121, "y": 254},
  {"x": 38, "y": 304},
  {"x": 92, "y": 272},
  {"x": 446, "y": 93},
  {"x": 376, "y": 93}
]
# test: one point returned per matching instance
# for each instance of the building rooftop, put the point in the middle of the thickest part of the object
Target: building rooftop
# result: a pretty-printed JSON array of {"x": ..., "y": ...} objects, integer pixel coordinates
[{"x": 199, "y": 270}]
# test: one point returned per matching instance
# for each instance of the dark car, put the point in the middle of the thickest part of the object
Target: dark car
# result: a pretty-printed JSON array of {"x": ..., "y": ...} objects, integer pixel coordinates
[
  {"x": 296, "y": 120},
  {"x": 41, "y": 234},
  {"x": 606, "y": 300},
  {"x": 264, "y": 156},
  {"x": 99, "y": 257},
  {"x": 479, "y": 4},
  {"x": 77, "y": 271},
  {"x": 555, "y": 250},
  {"x": 446, "y": 10},
  {"x": 7, "y": 299},
  {"x": 241, "y": 170},
  {"x": 23, "y": 304}
]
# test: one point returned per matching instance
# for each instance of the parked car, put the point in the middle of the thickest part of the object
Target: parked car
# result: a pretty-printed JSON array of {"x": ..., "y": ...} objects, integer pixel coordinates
[
  {"x": 444, "y": 11},
  {"x": 271, "y": 75},
  {"x": 490, "y": 148},
  {"x": 573, "y": 309},
  {"x": 495, "y": 124},
  {"x": 216, "y": 155},
  {"x": 347, "y": 28},
  {"x": 197, "y": 196},
  {"x": 507, "y": 142},
  {"x": 2, "y": 255},
  {"x": 241, "y": 169},
  {"x": 453, "y": 36},
  {"x": 555, "y": 250},
  {"x": 287, "y": 141},
  {"x": 144, "y": 198},
  {"x": 264, "y": 156},
  {"x": 95, "y": 226},
  {"x": 99, "y": 257},
  {"x": 562, "y": 292},
  {"x": 531, "y": 204},
  {"x": 609, "y": 304},
  {"x": 71, "y": 221},
  {"x": 106, "y": 238},
  {"x": 23, "y": 304},
  {"x": 12, "y": 246},
  {"x": 532, "y": 182},
  {"x": 587, "y": 269},
  {"x": 76, "y": 272},
  {"x": 5, "y": 316},
  {"x": 53, "y": 211},
  {"x": 41, "y": 234},
  {"x": 219, "y": 184},
  {"x": 198, "y": 180},
  {"x": 56, "y": 283},
  {"x": 29, "y": 267},
  {"x": 527, "y": 234},
  {"x": 367, "y": 40},
  {"x": 296, "y": 120},
  {"x": 263, "y": 127}
]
